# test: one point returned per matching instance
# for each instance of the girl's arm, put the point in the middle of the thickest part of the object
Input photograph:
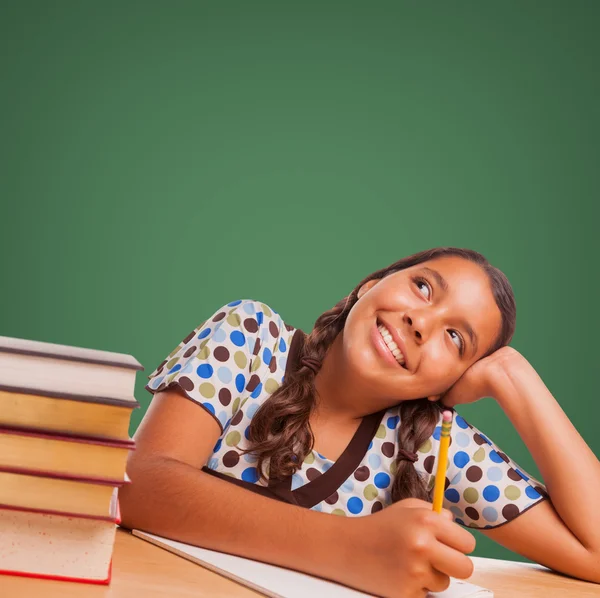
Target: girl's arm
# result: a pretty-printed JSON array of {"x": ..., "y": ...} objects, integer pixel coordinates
[{"x": 563, "y": 533}]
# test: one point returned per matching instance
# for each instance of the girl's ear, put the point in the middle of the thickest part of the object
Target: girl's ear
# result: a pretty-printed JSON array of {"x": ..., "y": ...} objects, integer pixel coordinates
[{"x": 368, "y": 285}]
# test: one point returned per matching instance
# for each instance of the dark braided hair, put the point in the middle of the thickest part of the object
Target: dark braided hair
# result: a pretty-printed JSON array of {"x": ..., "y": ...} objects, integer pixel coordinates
[{"x": 280, "y": 432}]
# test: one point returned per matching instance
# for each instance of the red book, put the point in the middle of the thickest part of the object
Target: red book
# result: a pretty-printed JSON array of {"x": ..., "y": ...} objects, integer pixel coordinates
[{"x": 57, "y": 546}]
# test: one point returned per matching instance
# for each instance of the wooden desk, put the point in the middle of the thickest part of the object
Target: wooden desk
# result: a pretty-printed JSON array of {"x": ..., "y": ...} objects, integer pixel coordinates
[{"x": 143, "y": 570}]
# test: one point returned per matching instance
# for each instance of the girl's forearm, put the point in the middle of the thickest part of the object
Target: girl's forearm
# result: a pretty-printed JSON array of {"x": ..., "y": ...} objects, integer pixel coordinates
[
  {"x": 570, "y": 469},
  {"x": 175, "y": 500}
]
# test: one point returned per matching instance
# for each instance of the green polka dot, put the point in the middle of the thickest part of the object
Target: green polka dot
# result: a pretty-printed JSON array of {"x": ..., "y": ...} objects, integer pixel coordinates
[
  {"x": 266, "y": 310},
  {"x": 255, "y": 364},
  {"x": 471, "y": 495},
  {"x": 425, "y": 447},
  {"x": 204, "y": 352},
  {"x": 512, "y": 492},
  {"x": 240, "y": 359},
  {"x": 393, "y": 467},
  {"x": 234, "y": 319},
  {"x": 309, "y": 459},
  {"x": 479, "y": 455},
  {"x": 207, "y": 390},
  {"x": 380, "y": 432},
  {"x": 271, "y": 385},
  {"x": 236, "y": 405},
  {"x": 174, "y": 351},
  {"x": 233, "y": 438},
  {"x": 203, "y": 343},
  {"x": 370, "y": 492},
  {"x": 338, "y": 512},
  {"x": 170, "y": 377},
  {"x": 244, "y": 402},
  {"x": 171, "y": 363},
  {"x": 431, "y": 482}
]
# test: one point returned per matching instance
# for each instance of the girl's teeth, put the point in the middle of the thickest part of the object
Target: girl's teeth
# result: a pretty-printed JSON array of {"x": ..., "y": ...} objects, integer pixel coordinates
[{"x": 393, "y": 347}]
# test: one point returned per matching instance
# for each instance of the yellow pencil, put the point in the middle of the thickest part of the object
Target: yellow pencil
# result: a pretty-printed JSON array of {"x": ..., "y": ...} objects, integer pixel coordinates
[{"x": 440, "y": 474}]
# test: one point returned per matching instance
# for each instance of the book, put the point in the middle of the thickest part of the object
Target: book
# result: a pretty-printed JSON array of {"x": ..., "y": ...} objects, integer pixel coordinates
[
  {"x": 279, "y": 582},
  {"x": 58, "y": 412},
  {"x": 32, "y": 365},
  {"x": 74, "y": 456},
  {"x": 69, "y": 548},
  {"x": 39, "y": 491}
]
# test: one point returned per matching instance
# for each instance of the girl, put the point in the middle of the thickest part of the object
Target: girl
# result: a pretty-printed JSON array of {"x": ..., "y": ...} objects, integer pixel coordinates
[{"x": 346, "y": 420}]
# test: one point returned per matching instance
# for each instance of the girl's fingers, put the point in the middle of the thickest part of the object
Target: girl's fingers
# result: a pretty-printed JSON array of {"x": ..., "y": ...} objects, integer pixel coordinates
[
  {"x": 437, "y": 581},
  {"x": 453, "y": 535},
  {"x": 449, "y": 561}
]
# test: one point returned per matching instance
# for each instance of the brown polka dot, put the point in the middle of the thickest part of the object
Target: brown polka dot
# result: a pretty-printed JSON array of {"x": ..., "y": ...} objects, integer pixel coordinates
[
  {"x": 479, "y": 439},
  {"x": 273, "y": 364},
  {"x": 288, "y": 327},
  {"x": 474, "y": 473},
  {"x": 377, "y": 506},
  {"x": 503, "y": 456},
  {"x": 250, "y": 324},
  {"x": 189, "y": 337},
  {"x": 428, "y": 463},
  {"x": 231, "y": 458},
  {"x": 332, "y": 499},
  {"x": 237, "y": 418},
  {"x": 312, "y": 473},
  {"x": 362, "y": 473},
  {"x": 161, "y": 366},
  {"x": 256, "y": 347},
  {"x": 224, "y": 396},
  {"x": 221, "y": 353},
  {"x": 273, "y": 329},
  {"x": 510, "y": 511},
  {"x": 472, "y": 513},
  {"x": 253, "y": 382},
  {"x": 513, "y": 475},
  {"x": 541, "y": 490},
  {"x": 388, "y": 448},
  {"x": 219, "y": 316},
  {"x": 190, "y": 351},
  {"x": 446, "y": 484},
  {"x": 186, "y": 383}
]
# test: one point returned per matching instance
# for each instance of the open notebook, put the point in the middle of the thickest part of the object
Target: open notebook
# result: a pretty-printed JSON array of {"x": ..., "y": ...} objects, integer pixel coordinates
[{"x": 278, "y": 582}]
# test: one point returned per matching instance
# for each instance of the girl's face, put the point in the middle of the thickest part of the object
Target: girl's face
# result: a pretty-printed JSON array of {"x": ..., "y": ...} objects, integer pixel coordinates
[{"x": 442, "y": 316}]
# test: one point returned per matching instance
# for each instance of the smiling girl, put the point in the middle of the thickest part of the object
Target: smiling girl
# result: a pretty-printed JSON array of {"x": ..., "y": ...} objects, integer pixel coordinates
[{"x": 345, "y": 421}]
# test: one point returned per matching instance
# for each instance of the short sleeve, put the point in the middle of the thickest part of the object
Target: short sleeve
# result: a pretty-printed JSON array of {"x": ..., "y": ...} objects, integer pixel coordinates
[
  {"x": 218, "y": 365},
  {"x": 484, "y": 487}
]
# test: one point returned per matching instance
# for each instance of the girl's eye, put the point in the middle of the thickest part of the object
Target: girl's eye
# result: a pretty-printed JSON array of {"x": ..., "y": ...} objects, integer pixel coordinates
[
  {"x": 461, "y": 343},
  {"x": 421, "y": 282}
]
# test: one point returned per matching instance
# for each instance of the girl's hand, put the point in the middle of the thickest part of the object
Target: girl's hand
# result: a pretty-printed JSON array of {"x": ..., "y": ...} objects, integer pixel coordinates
[
  {"x": 406, "y": 550},
  {"x": 484, "y": 377}
]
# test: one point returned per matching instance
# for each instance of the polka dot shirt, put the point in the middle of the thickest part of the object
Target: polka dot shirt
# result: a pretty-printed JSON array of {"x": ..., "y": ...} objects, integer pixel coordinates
[{"x": 233, "y": 362}]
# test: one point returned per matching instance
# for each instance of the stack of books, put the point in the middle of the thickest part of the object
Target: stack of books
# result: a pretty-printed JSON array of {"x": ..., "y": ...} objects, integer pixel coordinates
[{"x": 64, "y": 441}]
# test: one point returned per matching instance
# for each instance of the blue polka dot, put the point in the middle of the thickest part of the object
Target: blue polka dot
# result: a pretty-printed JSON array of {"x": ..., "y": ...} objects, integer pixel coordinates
[
  {"x": 485, "y": 438},
  {"x": 282, "y": 362},
  {"x": 457, "y": 512},
  {"x": 209, "y": 407},
  {"x": 259, "y": 317},
  {"x": 256, "y": 392},
  {"x": 282, "y": 345},
  {"x": 156, "y": 382},
  {"x": 494, "y": 474},
  {"x": 213, "y": 463},
  {"x": 218, "y": 445},
  {"x": 252, "y": 410},
  {"x": 355, "y": 505},
  {"x": 348, "y": 485},
  {"x": 382, "y": 480},
  {"x": 204, "y": 333},
  {"x": 250, "y": 474},
  {"x": 297, "y": 481},
  {"x": 237, "y": 338},
  {"x": 325, "y": 465},
  {"x": 222, "y": 417},
  {"x": 249, "y": 308},
  {"x": 452, "y": 495},
  {"x": 251, "y": 342},
  {"x": 460, "y": 422},
  {"x": 220, "y": 335},
  {"x": 267, "y": 355},
  {"x": 175, "y": 368},
  {"x": 491, "y": 493},
  {"x": 322, "y": 456},
  {"x": 495, "y": 457},
  {"x": 240, "y": 382},
  {"x": 489, "y": 514},
  {"x": 205, "y": 370},
  {"x": 250, "y": 458},
  {"x": 247, "y": 433},
  {"x": 234, "y": 303},
  {"x": 525, "y": 477},
  {"x": 532, "y": 492},
  {"x": 437, "y": 432},
  {"x": 374, "y": 461},
  {"x": 461, "y": 459},
  {"x": 392, "y": 422},
  {"x": 224, "y": 375},
  {"x": 459, "y": 521},
  {"x": 462, "y": 439},
  {"x": 317, "y": 507},
  {"x": 456, "y": 478},
  {"x": 370, "y": 445}
]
